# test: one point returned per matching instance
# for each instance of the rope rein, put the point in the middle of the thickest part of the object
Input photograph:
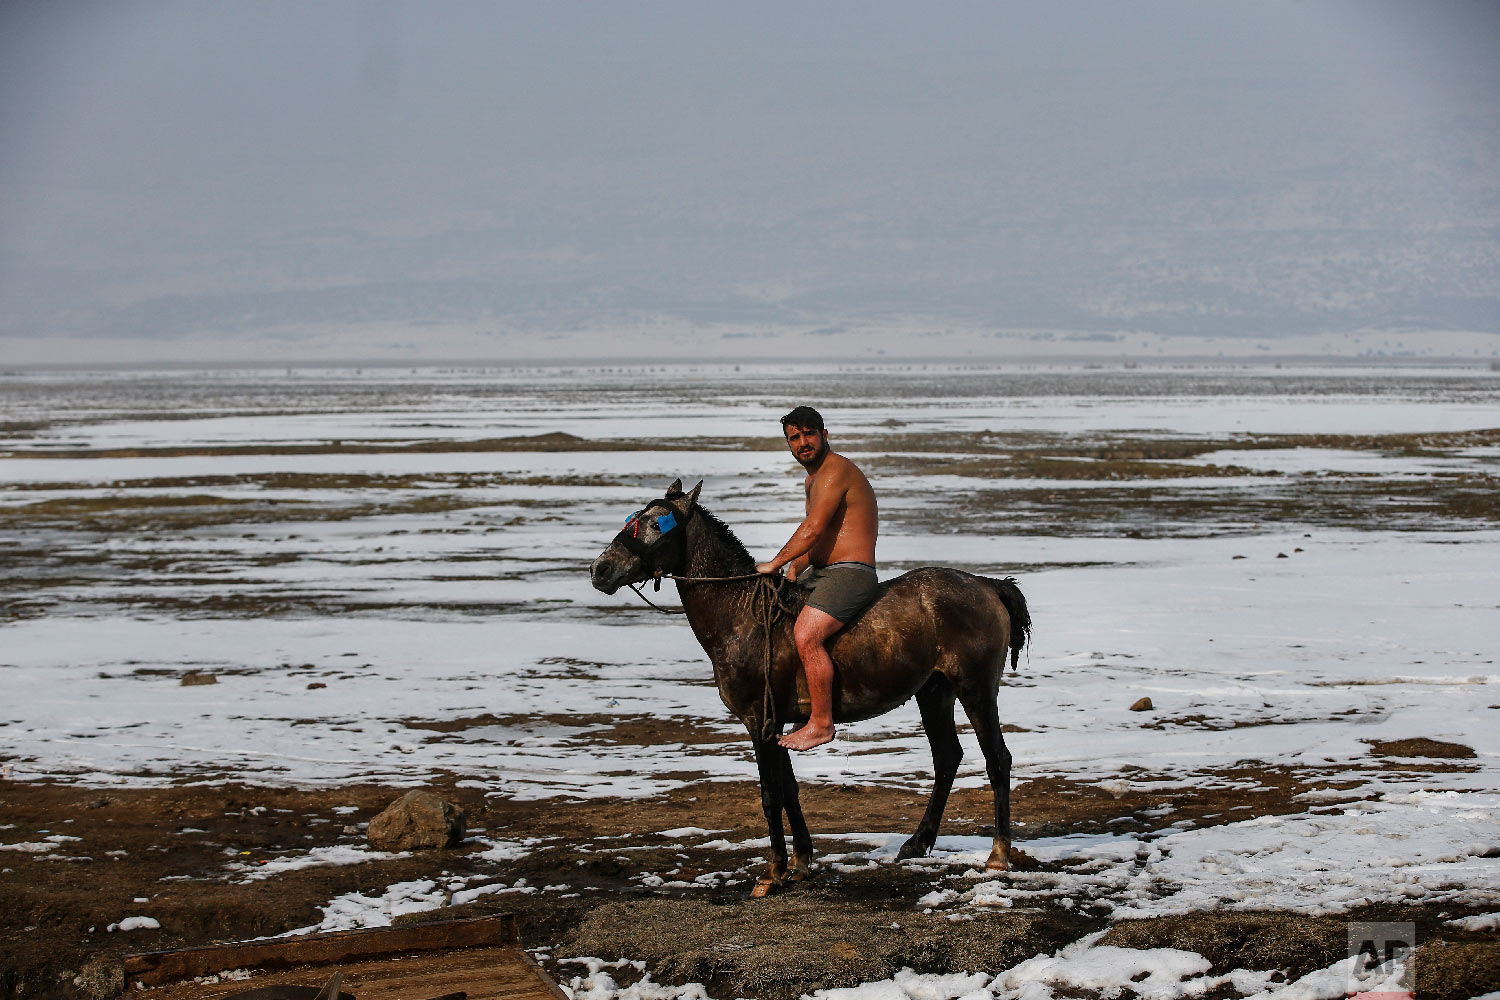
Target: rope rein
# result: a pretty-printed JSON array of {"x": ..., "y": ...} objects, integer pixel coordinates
[
  {"x": 661, "y": 610},
  {"x": 659, "y": 577},
  {"x": 769, "y": 604}
]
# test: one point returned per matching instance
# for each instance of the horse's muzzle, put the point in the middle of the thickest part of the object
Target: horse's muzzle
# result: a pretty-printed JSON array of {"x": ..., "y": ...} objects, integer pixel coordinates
[{"x": 605, "y": 577}]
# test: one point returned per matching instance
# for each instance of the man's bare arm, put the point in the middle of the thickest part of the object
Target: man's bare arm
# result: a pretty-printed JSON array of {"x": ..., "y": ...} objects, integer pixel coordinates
[{"x": 822, "y": 504}]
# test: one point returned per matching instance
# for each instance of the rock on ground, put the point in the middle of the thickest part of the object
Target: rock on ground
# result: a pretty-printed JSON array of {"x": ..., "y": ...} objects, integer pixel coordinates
[{"x": 416, "y": 820}]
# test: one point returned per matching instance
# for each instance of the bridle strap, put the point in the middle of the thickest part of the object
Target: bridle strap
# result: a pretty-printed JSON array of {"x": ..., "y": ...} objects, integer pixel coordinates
[{"x": 643, "y": 550}]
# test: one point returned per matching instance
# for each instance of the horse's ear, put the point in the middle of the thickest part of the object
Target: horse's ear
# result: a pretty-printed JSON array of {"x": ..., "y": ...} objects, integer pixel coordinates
[
  {"x": 684, "y": 501},
  {"x": 675, "y": 490}
]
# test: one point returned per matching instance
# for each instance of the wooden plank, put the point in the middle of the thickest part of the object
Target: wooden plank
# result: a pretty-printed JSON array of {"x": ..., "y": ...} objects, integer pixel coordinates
[
  {"x": 154, "y": 968},
  {"x": 547, "y": 981},
  {"x": 502, "y": 973},
  {"x": 513, "y": 976}
]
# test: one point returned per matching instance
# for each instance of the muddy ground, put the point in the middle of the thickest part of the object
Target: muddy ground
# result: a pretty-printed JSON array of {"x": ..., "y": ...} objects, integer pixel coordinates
[{"x": 601, "y": 880}]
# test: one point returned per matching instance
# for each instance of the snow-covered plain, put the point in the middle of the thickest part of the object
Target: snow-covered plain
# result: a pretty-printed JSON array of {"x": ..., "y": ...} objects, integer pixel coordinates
[{"x": 1284, "y": 643}]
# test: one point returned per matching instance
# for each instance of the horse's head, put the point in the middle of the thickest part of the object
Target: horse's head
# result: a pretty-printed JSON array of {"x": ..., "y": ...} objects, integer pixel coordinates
[{"x": 654, "y": 540}]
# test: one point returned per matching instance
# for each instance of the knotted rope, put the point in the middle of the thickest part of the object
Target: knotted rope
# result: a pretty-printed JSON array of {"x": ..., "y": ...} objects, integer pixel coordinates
[{"x": 769, "y": 604}]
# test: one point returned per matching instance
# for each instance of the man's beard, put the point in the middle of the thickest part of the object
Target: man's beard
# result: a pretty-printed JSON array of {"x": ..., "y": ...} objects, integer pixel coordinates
[{"x": 817, "y": 457}]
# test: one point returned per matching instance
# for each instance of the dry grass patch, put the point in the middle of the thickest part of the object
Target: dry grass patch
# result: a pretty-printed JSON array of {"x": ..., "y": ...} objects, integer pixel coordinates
[
  {"x": 811, "y": 938},
  {"x": 1457, "y": 970}
]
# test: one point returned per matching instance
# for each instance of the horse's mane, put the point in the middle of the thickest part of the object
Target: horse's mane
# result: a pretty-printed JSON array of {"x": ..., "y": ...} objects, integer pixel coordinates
[{"x": 735, "y": 548}]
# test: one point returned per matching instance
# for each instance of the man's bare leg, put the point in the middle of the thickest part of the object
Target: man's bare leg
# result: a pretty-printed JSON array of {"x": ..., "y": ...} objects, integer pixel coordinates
[{"x": 813, "y": 628}]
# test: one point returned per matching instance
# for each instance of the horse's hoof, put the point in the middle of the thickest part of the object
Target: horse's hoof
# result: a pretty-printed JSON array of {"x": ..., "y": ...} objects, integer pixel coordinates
[
  {"x": 999, "y": 859},
  {"x": 764, "y": 886},
  {"x": 913, "y": 848}
]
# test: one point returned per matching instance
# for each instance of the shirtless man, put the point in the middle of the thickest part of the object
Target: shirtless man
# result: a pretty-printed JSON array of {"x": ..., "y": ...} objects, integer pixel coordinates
[{"x": 833, "y": 550}]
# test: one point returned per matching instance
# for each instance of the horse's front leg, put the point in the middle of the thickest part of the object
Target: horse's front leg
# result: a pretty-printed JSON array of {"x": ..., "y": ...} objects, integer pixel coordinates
[
  {"x": 768, "y": 758},
  {"x": 802, "y": 852}
]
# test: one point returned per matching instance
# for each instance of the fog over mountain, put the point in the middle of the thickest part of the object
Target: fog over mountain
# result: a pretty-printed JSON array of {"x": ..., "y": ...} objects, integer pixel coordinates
[{"x": 285, "y": 180}]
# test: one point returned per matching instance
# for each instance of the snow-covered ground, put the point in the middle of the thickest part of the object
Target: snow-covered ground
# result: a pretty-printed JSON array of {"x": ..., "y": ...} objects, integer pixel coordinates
[
  {"x": 1285, "y": 644},
  {"x": 1294, "y": 661}
]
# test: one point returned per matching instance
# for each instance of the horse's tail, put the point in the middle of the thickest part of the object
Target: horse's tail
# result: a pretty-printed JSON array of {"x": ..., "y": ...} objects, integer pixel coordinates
[{"x": 1020, "y": 616}]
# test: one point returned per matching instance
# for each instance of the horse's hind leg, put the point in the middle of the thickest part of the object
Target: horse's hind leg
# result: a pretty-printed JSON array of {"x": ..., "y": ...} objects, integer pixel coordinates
[
  {"x": 802, "y": 852},
  {"x": 935, "y": 700},
  {"x": 984, "y": 715}
]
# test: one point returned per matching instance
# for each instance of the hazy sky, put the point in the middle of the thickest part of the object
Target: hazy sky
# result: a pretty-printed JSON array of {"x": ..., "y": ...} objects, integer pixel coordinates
[{"x": 478, "y": 179}]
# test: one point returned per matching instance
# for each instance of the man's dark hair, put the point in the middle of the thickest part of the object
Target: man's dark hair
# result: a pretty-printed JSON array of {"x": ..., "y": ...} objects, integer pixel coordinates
[{"x": 805, "y": 417}]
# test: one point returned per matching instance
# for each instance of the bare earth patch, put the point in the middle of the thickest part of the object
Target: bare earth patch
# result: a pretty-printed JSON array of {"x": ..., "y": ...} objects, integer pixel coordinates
[{"x": 1422, "y": 747}]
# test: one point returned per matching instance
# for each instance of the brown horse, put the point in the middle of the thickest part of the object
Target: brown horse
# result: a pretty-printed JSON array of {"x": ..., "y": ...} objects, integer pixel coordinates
[{"x": 937, "y": 634}]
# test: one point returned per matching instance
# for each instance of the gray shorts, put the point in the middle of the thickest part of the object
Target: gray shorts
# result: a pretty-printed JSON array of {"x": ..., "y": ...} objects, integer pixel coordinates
[{"x": 842, "y": 589}]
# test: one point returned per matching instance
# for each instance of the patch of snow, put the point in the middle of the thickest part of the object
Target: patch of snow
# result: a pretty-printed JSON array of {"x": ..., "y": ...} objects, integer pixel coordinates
[
  {"x": 506, "y": 850},
  {"x": 356, "y": 910},
  {"x": 1340, "y": 979},
  {"x": 1477, "y": 922},
  {"x": 1335, "y": 794},
  {"x": 318, "y": 857},
  {"x": 1158, "y": 972},
  {"x": 688, "y": 831},
  {"x": 135, "y": 924},
  {"x": 602, "y": 986},
  {"x": 596, "y": 964},
  {"x": 937, "y": 897}
]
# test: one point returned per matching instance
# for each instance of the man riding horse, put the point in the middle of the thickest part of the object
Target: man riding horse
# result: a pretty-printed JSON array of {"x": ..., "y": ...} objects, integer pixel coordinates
[
  {"x": 832, "y": 552},
  {"x": 935, "y": 634}
]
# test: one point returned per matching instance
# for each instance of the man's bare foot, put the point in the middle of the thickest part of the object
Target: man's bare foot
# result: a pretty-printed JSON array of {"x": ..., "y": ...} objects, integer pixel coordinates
[{"x": 807, "y": 737}]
